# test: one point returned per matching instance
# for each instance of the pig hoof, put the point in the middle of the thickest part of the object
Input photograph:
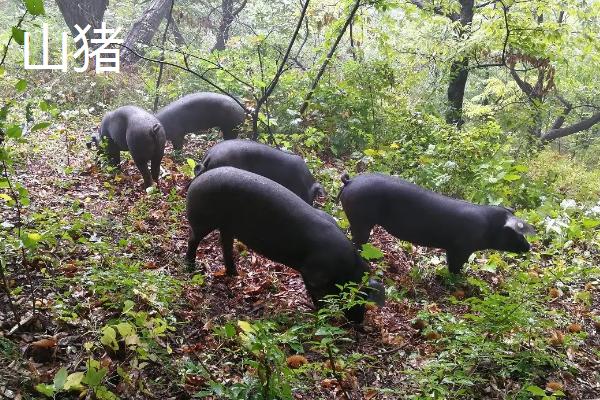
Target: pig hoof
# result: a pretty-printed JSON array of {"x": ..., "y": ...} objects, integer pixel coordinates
[{"x": 190, "y": 266}]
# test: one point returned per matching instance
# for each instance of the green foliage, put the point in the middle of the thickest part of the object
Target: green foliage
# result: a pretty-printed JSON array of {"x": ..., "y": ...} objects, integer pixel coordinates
[
  {"x": 378, "y": 108},
  {"x": 35, "y": 7},
  {"x": 563, "y": 177},
  {"x": 502, "y": 335}
]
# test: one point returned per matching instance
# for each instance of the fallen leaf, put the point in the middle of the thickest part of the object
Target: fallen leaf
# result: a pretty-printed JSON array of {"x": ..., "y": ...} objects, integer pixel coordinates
[
  {"x": 432, "y": 335},
  {"x": 296, "y": 361},
  {"x": 44, "y": 343},
  {"x": 554, "y": 386},
  {"x": 151, "y": 265},
  {"x": 557, "y": 338},
  {"x": 554, "y": 293}
]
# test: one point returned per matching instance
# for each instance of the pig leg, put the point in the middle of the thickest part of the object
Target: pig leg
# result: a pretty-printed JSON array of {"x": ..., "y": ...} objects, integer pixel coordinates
[
  {"x": 142, "y": 165},
  {"x": 178, "y": 142},
  {"x": 113, "y": 153},
  {"x": 196, "y": 235},
  {"x": 360, "y": 234},
  {"x": 155, "y": 166},
  {"x": 227, "y": 245},
  {"x": 456, "y": 259},
  {"x": 229, "y": 132}
]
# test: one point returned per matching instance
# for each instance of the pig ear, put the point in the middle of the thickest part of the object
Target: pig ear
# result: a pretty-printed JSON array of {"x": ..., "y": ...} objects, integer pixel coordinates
[
  {"x": 519, "y": 226},
  {"x": 317, "y": 190},
  {"x": 510, "y": 209}
]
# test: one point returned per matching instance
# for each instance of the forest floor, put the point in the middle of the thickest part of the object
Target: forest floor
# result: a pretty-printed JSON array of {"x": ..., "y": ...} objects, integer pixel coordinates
[{"x": 112, "y": 253}]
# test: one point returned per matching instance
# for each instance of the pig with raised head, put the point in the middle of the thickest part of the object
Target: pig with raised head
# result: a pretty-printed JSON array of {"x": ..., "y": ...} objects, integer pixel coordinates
[
  {"x": 273, "y": 221},
  {"x": 132, "y": 129},
  {"x": 283, "y": 167},
  {"x": 420, "y": 216},
  {"x": 200, "y": 111}
]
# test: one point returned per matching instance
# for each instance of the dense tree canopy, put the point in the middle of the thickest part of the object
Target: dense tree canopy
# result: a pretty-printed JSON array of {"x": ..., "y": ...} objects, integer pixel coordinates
[{"x": 496, "y": 102}]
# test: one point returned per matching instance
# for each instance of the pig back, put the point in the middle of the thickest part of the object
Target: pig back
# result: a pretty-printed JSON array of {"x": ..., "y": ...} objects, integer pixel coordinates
[
  {"x": 410, "y": 212},
  {"x": 268, "y": 218},
  {"x": 285, "y": 168},
  {"x": 200, "y": 111}
]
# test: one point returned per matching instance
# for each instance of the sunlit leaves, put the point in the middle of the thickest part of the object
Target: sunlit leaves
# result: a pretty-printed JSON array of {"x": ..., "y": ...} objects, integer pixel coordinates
[
  {"x": 370, "y": 252},
  {"x": 40, "y": 126},
  {"x": 19, "y": 35},
  {"x": 34, "y": 7}
]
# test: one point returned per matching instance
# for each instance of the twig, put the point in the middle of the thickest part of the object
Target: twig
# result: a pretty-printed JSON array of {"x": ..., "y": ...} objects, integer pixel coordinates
[
  {"x": 187, "y": 69},
  {"x": 315, "y": 82},
  {"x": 280, "y": 70},
  {"x": 391, "y": 351},
  {"x": 11, "y": 302},
  {"x": 11, "y": 38},
  {"x": 336, "y": 375},
  {"x": 162, "y": 55}
]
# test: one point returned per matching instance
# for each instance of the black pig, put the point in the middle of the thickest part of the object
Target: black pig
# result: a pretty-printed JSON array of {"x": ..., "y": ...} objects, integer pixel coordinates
[
  {"x": 417, "y": 215},
  {"x": 200, "y": 111},
  {"x": 285, "y": 168},
  {"x": 274, "y": 222},
  {"x": 132, "y": 129}
]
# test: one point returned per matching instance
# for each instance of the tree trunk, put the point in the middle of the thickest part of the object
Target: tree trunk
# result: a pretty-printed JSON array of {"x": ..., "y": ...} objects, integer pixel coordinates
[
  {"x": 82, "y": 13},
  {"x": 162, "y": 56},
  {"x": 459, "y": 70},
  {"x": 226, "y": 20},
  {"x": 143, "y": 30},
  {"x": 228, "y": 15},
  {"x": 179, "y": 39},
  {"x": 456, "y": 91}
]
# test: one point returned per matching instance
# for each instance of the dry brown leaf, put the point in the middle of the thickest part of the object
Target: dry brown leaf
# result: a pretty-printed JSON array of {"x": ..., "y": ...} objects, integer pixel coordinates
[
  {"x": 554, "y": 386},
  {"x": 151, "y": 265},
  {"x": 557, "y": 338},
  {"x": 194, "y": 380},
  {"x": 575, "y": 328},
  {"x": 432, "y": 335},
  {"x": 44, "y": 343},
  {"x": 433, "y": 308},
  {"x": 554, "y": 293},
  {"x": 327, "y": 365},
  {"x": 296, "y": 361},
  {"x": 329, "y": 383}
]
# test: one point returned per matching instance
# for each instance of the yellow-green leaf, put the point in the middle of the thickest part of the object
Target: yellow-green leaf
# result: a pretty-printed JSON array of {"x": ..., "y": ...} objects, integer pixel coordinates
[
  {"x": 245, "y": 326},
  {"x": 73, "y": 381}
]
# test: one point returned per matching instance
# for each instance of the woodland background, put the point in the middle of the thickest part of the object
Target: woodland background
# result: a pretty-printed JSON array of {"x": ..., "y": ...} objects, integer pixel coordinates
[{"x": 492, "y": 101}]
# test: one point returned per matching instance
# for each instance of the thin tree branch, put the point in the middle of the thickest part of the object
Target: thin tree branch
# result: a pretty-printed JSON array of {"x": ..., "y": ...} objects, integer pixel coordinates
[
  {"x": 11, "y": 38},
  {"x": 571, "y": 129},
  {"x": 280, "y": 70},
  {"x": 191, "y": 71},
  {"x": 162, "y": 56},
  {"x": 315, "y": 82},
  {"x": 435, "y": 9},
  {"x": 239, "y": 9}
]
